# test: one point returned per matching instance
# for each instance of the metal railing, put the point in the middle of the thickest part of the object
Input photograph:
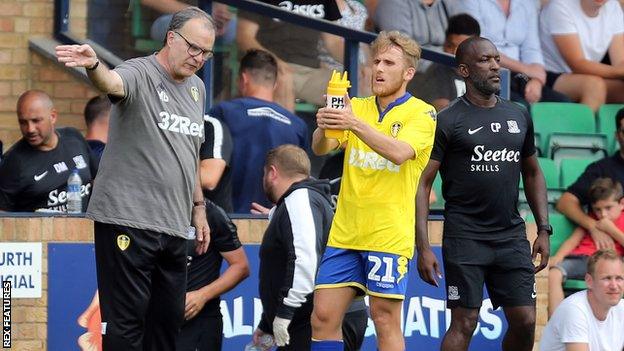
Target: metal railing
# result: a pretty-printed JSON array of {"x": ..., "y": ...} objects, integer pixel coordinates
[{"x": 352, "y": 39}]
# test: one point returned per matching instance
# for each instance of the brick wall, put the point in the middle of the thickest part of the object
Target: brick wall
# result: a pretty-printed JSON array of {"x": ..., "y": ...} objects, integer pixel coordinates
[{"x": 21, "y": 69}]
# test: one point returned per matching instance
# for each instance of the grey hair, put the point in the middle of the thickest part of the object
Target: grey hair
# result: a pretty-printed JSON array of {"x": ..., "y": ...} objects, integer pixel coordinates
[{"x": 181, "y": 17}]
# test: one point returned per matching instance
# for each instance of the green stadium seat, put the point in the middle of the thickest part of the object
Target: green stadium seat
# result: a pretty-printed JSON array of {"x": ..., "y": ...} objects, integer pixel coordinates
[
  {"x": 577, "y": 145},
  {"x": 571, "y": 169},
  {"x": 567, "y": 130},
  {"x": 140, "y": 31},
  {"x": 551, "y": 172},
  {"x": 437, "y": 187},
  {"x": 538, "y": 144},
  {"x": 562, "y": 229},
  {"x": 606, "y": 123},
  {"x": 305, "y": 107},
  {"x": 551, "y": 175}
]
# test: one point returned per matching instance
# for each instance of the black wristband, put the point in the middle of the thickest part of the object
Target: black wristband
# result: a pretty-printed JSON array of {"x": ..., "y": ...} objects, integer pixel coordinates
[
  {"x": 97, "y": 63},
  {"x": 199, "y": 203}
]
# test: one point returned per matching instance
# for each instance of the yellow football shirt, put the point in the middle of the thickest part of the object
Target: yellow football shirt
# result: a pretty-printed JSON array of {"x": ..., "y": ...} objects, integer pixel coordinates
[{"x": 376, "y": 203}]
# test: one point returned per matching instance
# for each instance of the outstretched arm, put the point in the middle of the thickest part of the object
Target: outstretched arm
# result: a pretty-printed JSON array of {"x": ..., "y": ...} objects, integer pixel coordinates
[{"x": 106, "y": 80}]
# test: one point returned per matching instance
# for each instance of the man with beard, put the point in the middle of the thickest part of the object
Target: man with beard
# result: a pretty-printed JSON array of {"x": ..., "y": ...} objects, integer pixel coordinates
[
  {"x": 387, "y": 140},
  {"x": 482, "y": 145},
  {"x": 291, "y": 247},
  {"x": 34, "y": 172}
]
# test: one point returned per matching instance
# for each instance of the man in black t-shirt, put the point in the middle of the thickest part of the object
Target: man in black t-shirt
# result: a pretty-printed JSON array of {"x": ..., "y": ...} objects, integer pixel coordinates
[
  {"x": 215, "y": 172},
  {"x": 203, "y": 328},
  {"x": 576, "y": 196},
  {"x": 482, "y": 145},
  {"x": 34, "y": 172}
]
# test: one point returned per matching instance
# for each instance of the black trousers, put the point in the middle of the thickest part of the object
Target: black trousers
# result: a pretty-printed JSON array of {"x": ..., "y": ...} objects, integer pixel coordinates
[
  {"x": 142, "y": 283},
  {"x": 204, "y": 332},
  {"x": 353, "y": 329}
]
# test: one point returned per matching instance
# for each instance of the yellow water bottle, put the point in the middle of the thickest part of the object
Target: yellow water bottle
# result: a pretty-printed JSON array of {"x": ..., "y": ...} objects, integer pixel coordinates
[{"x": 336, "y": 91}]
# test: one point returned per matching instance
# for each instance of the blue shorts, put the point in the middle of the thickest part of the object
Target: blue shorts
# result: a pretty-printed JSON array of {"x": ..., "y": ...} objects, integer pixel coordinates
[{"x": 375, "y": 273}]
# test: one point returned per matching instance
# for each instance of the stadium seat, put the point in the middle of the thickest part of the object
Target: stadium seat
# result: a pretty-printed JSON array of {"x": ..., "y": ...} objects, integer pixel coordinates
[
  {"x": 571, "y": 169},
  {"x": 606, "y": 123},
  {"x": 538, "y": 144},
  {"x": 551, "y": 172},
  {"x": 140, "y": 31},
  {"x": 554, "y": 191},
  {"x": 577, "y": 145},
  {"x": 437, "y": 187},
  {"x": 567, "y": 130},
  {"x": 562, "y": 229}
]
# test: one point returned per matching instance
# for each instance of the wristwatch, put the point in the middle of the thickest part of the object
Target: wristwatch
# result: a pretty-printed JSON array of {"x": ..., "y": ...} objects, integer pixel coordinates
[{"x": 545, "y": 227}]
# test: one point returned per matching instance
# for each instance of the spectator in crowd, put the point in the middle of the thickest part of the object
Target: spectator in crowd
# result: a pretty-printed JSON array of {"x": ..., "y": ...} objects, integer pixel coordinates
[
  {"x": 354, "y": 16},
  {"x": 425, "y": 21},
  {"x": 215, "y": 163},
  {"x": 519, "y": 50},
  {"x": 300, "y": 74},
  {"x": 225, "y": 33},
  {"x": 203, "y": 328},
  {"x": 96, "y": 114},
  {"x": 575, "y": 198},
  {"x": 371, "y": 8},
  {"x": 443, "y": 83},
  {"x": 257, "y": 124},
  {"x": 222, "y": 16},
  {"x": 576, "y": 35},
  {"x": 570, "y": 261},
  {"x": 591, "y": 319},
  {"x": 34, "y": 172},
  {"x": 148, "y": 191}
]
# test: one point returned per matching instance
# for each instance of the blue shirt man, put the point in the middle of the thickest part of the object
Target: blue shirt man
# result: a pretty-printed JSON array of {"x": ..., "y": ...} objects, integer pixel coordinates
[{"x": 257, "y": 125}]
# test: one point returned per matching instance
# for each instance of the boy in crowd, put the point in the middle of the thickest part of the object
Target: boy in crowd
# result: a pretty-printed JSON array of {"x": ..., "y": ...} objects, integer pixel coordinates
[{"x": 570, "y": 262}]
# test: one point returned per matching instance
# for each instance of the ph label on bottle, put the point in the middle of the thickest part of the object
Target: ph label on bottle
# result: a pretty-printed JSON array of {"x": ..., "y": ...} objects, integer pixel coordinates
[
  {"x": 336, "y": 91},
  {"x": 6, "y": 314},
  {"x": 337, "y": 102}
]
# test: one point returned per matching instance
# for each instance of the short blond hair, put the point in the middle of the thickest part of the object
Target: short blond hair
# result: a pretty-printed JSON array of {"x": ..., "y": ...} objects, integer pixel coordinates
[
  {"x": 385, "y": 40},
  {"x": 290, "y": 160},
  {"x": 604, "y": 254}
]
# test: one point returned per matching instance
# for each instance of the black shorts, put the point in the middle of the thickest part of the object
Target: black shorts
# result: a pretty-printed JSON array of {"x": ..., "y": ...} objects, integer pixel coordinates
[
  {"x": 551, "y": 78},
  {"x": 505, "y": 266}
]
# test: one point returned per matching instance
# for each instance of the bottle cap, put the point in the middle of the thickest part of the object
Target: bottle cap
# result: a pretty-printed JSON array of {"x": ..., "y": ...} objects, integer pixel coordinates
[{"x": 338, "y": 82}]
